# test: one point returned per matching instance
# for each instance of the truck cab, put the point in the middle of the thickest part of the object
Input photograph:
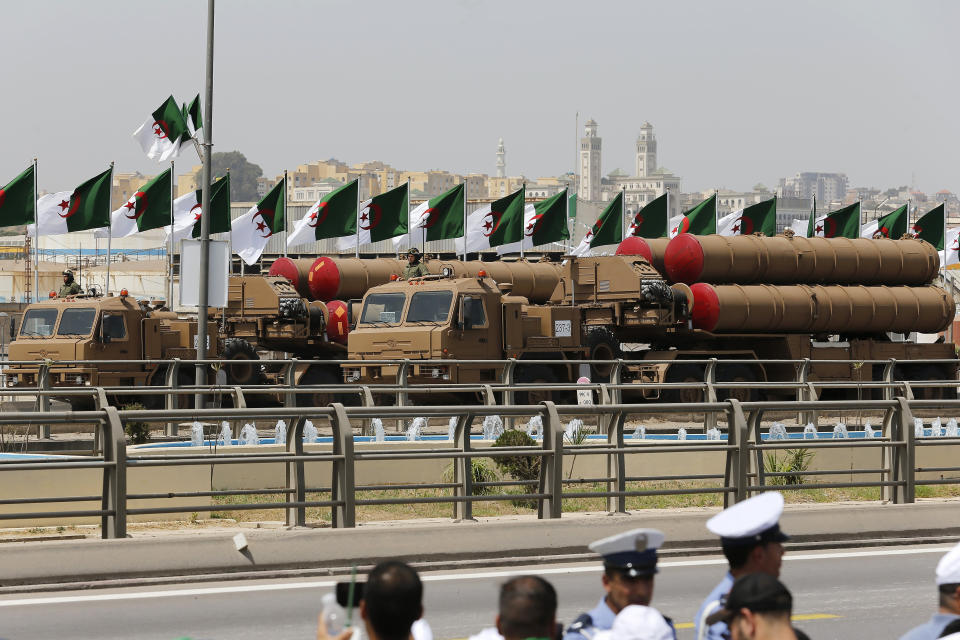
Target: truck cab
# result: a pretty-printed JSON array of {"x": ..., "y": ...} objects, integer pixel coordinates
[{"x": 442, "y": 317}]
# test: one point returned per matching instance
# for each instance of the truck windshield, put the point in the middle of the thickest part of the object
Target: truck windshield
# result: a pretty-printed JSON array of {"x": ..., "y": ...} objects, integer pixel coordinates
[
  {"x": 38, "y": 322},
  {"x": 383, "y": 308},
  {"x": 430, "y": 306},
  {"x": 76, "y": 321}
]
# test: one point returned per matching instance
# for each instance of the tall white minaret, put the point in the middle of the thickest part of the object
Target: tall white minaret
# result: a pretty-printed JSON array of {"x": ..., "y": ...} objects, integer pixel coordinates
[
  {"x": 646, "y": 151},
  {"x": 590, "y": 180},
  {"x": 501, "y": 160}
]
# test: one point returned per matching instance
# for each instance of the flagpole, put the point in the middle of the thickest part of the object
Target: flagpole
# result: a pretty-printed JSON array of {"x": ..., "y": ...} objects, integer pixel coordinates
[
  {"x": 576, "y": 178},
  {"x": 106, "y": 288},
  {"x": 36, "y": 238},
  {"x": 523, "y": 229},
  {"x": 623, "y": 212},
  {"x": 566, "y": 219},
  {"x": 668, "y": 212},
  {"x": 465, "y": 225},
  {"x": 356, "y": 249},
  {"x": 170, "y": 243},
  {"x": 286, "y": 185},
  {"x": 716, "y": 210},
  {"x": 204, "y": 292}
]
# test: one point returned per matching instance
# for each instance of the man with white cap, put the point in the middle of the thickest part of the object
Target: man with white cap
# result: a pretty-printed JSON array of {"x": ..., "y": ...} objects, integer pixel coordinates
[
  {"x": 752, "y": 543},
  {"x": 637, "y": 622},
  {"x": 629, "y": 566},
  {"x": 948, "y": 586}
]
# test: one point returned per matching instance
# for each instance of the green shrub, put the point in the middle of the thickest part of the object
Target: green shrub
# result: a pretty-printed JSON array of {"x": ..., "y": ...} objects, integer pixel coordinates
[
  {"x": 138, "y": 432},
  {"x": 483, "y": 471},
  {"x": 519, "y": 467},
  {"x": 793, "y": 460}
]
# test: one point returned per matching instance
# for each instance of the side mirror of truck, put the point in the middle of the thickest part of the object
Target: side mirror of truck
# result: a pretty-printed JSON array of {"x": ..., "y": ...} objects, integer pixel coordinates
[
  {"x": 468, "y": 319},
  {"x": 13, "y": 328},
  {"x": 102, "y": 335}
]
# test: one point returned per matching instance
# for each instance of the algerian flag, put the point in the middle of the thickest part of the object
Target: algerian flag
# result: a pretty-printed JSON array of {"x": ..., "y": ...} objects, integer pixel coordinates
[
  {"x": 497, "y": 224},
  {"x": 250, "y": 232},
  {"x": 799, "y": 228},
  {"x": 86, "y": 207},
  {"x": 760, "y": 217},
  {"x": 952, "y": 253},
  {"x": 381, "y": 217},
  {"x": 332, "y": 216},
  {"x": 930, "y": 227},
  {"x": 842, "y": 223},
  {"x": 676, "y": 224},
  {"x": 893, "y": 225},
  {"x": 699, "y": 221},
  {"x": 607, "y": 230},
  {"x": 187, "y": 211},
  {"x": 17, "y": 206},
  {"x": 191, "y": 115},
  {"x": 148, "y": 208},
  {"x": 439, "y": 218},
  {"x": 546, "y": 221},
  {"x": 651, "y": 221},
  {"x": 161, "y": 135}
]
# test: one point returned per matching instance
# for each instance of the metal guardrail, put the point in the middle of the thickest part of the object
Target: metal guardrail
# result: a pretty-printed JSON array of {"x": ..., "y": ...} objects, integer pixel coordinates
[{"x": 742, "y": 454}]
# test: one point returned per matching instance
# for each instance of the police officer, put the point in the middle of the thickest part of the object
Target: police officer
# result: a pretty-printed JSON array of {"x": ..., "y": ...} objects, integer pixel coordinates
[
  {"x": 414, "y": 268},
  {"x": 70, "y": 286},
  {"x": 629, "y": 565},
  {"x": 752, "y": 542},
  {"x": 948, "y": 592}
]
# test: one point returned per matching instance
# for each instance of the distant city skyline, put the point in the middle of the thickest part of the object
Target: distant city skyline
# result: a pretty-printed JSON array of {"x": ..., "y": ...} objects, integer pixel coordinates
[{"x": 739, "y": 92}]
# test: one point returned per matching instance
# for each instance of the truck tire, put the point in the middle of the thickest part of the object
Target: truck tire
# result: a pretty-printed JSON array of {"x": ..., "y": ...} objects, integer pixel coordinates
[
  {"x": 320, "y": 376},
  {"x": 926, "y": 372},
  {"x": 683, "y": 372},
  {"x": 536, "y": 374},
  {"x": 244, "y": 368},
  {"x": 602, "y": 345},
  {"x": 736, "y": 373}
]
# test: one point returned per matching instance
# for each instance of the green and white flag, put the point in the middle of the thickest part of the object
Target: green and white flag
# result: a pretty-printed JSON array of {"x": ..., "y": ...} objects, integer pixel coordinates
[
  {"x": 188, "y": 210},
  {"x": 930, "y": 227},
  {"x": 332, "y": 216},
  {"x": 382, "y": 217},
  {"x": 606, "y": 231},
  {"x": 546, "y": 221},
  {"x": 164, "y": 132},
  {"x": 250, "y": 232},
  {"x": 760, "y": 217},
  {"x": 893, "y": 225},
  {"x": 191, "y": 115},
  {"x": 496, "y": 225},
  {"x": 148, "y": 208},
  {"x": 651, "y": 220},
  {"x": 842, "y": 223},
  {"x": 700, "y": 220},
  {"x": 17, "y": 206},
  {"x": 439, "y": 218},
  {"x": 86, "y": 207}
]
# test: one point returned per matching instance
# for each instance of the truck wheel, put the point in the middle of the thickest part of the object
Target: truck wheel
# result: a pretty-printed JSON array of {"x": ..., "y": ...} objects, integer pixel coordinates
[
  {"x": 926, "y": 372},
  {"x": 244, "y": 368},
  {"x": 536, "y": 374},
  {"x": 602, "y": 345},
  {"x": 320, "y": 376},
  {"x": 736, "y": 373},
  {"x": 683, "y": 373}
]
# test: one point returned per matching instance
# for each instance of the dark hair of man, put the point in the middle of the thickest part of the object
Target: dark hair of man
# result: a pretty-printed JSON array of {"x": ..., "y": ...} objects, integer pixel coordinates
[
  {"x": 528, "y": 605},
  {"x": 738, "y": 554},
  {"x": 951, "y": 628},
  {"x": 393, "y": 599},
  {"x": 947, "y": 592}
]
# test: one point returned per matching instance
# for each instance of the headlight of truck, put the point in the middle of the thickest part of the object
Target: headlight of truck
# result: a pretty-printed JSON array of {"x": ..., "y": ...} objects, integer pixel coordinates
[
  {"x": 352, "y": 375},
  {"x": 441, "y": 372},
  {"x": 79, "y": 380}
]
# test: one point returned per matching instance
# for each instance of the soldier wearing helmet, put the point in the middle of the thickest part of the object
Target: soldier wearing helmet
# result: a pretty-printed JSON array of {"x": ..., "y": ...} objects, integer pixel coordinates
[
  {"x": 70, "y": 286},
  {"x": 414, "y": 268}
]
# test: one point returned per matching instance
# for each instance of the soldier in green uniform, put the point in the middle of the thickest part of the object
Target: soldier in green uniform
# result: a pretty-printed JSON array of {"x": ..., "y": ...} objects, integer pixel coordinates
[
  {"x": 414, "y": 268},
  {"x": 70, "y": 286}
]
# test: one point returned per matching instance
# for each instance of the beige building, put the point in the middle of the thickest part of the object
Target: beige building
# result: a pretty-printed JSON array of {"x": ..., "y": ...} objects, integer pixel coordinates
[
  {"x": 500, "y": 187},
  {"x": 124, "y": 186}
]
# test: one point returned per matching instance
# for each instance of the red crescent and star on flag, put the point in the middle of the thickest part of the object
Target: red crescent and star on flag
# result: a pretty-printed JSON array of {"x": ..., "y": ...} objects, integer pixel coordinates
[
  {"x": 635, "y": 225},
  {"x": 262, "y": 225},
  {"x": 161, "y": 129},
  {"x": 427, "y": 219},
  {"x": 198, "y": 214},
  {"x": 533, "y": 225},
  {"x": 683, "y": 227},
  {"x": 490, "y": 222},
  {"x": 3, "y": 196},
  {"x": 743, "y": 226},
  {"x": 368, "y": 222},
  {"x": 314, "y": 218},
  {"x": 71, "y": 206},
  {"x": 137, "y": 204}
]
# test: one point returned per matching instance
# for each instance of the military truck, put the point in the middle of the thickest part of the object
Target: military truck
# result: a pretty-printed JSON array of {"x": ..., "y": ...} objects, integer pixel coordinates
[{"x": 106, "y": 328}]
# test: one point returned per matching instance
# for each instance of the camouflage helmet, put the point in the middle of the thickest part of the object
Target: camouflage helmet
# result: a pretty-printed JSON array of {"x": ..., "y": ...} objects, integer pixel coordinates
[
  {"x": 413, "y": 251},
  {"x": 68, "y": 272}
]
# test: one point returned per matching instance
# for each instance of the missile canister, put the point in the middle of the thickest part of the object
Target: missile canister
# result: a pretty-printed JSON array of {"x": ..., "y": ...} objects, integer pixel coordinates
[
  {"x": 338, "y": 323},
  {"x": 798, "y": 260},
  {"x": 346, "y": 278},
  {"x": 532, "y": 280},
  {"x": 650, "y": 248},
  {"x": 296, "y": 270},
  {"x": 820, "y": 309}
]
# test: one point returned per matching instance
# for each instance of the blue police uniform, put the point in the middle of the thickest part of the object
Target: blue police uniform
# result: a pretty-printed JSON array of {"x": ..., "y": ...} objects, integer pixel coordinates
[
  {"x": 633, "y": 553},
  {"x": 716, "y": 631},
  {"x": 932, "y": 628},
  {"x": 948, "y": 572}
]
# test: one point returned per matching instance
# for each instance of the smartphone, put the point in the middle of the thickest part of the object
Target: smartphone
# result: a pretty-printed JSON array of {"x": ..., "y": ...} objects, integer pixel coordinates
[{"x": 343, "y": 593}]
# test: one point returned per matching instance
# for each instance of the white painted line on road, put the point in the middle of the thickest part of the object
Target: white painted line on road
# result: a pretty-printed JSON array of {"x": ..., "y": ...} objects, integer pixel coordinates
[{"x": 480, "y": 575}]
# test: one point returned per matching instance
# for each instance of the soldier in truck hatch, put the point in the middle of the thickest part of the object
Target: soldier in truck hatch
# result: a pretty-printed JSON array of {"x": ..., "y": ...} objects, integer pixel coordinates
[
  {"x": 70, "y": 286},
  {"x": 414, "y": 268}
]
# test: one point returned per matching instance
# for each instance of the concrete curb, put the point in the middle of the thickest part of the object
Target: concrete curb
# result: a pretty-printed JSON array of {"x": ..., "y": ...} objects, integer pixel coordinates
[{"x": 154, "y": 555}]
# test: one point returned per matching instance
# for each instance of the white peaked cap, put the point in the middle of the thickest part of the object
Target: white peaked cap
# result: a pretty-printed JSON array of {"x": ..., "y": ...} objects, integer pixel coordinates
[
  {"x": 637, "y": 622},
  {"x": 750, "y": 518},
  {"x": 948, "y": 569}
]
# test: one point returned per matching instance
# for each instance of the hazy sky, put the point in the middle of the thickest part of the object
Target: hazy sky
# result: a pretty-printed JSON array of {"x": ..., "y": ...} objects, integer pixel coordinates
[{"x": 739, "y": 92}]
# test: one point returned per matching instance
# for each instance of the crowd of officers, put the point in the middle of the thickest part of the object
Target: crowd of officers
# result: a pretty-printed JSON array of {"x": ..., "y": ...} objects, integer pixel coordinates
[{"x": 749, "y": 603}]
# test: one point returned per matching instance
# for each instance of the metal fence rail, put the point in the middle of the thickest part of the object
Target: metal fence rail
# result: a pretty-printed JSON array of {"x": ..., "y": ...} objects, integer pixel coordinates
[{"x": 742, "y": 454}]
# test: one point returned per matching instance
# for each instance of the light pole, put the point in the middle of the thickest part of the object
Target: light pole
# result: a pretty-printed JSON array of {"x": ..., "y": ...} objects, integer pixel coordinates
[
  {"x": 201, "y": 377},
  {"x": 876, "y": 209}
]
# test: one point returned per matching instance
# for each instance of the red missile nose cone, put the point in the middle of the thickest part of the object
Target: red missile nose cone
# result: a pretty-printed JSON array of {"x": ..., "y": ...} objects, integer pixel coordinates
[
  {"x": 635, "y": 246},
  {"x": 324, "y": 279},
  {"x": 338, "y": 323},
  {"x": 286, "y": 268},
  {"x": 683, "y": 259},
  {"x": 706, "y": 306}
]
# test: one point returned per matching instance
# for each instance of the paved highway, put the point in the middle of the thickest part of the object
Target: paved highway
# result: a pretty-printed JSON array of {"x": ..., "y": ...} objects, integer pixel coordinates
[{"x": 861, "y": 593}]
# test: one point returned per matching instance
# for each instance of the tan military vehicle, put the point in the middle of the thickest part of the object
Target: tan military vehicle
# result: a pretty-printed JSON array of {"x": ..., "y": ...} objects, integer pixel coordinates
[{"x": 110, "y": 329}]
